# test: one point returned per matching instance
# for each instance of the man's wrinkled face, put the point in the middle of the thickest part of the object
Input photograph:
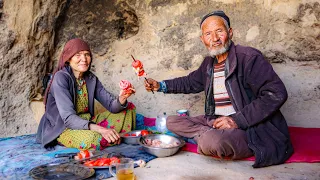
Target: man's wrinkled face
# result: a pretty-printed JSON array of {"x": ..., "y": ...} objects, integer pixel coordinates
[{"x": 215, "y": 35}]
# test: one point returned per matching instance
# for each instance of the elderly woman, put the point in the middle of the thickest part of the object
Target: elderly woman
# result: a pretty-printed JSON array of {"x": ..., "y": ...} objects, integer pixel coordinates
[{"x": 69, "y": 99}]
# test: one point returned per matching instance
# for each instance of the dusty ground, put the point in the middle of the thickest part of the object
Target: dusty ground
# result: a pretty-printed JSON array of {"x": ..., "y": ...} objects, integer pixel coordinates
[{"x": 191, "y": 166}]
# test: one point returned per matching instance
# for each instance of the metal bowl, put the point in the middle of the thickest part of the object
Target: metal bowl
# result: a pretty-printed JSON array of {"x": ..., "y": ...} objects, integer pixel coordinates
[
  {"x": 162, "y": 151},
  {"x": 128, "y": 137}
]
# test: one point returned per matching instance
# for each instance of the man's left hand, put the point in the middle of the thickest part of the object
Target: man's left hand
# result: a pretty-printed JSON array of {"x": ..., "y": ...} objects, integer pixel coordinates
[{"x": 225, "y": 122}]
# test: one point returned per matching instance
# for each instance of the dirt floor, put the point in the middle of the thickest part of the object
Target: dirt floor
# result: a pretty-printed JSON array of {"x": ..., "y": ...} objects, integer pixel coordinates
[{"x": 191, "y": 166}]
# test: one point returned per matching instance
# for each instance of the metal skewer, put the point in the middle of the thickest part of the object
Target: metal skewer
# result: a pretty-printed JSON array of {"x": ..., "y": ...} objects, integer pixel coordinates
[{"x": 144, "y": 77}]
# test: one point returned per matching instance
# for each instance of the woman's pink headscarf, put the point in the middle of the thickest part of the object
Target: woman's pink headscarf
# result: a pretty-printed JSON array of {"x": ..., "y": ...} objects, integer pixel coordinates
[{"x": 72, "y": 47}]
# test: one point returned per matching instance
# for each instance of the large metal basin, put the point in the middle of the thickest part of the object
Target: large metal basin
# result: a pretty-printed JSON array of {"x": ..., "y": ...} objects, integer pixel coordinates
[{"x": 162, "y": 151}]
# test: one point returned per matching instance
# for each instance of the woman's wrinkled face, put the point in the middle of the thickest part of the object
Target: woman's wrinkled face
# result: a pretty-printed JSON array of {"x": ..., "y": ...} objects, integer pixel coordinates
[
  {"x": 80, "y": 62},
  {"x": 215, "y": 35}
]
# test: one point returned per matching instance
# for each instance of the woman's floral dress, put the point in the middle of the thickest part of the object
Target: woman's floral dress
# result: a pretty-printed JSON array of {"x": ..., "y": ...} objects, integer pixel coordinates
[{"x": 123, "y": 121}]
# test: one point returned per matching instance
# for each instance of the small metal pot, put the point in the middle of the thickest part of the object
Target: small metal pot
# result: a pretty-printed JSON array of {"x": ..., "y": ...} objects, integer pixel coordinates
[{"x": 129, "y": 139}]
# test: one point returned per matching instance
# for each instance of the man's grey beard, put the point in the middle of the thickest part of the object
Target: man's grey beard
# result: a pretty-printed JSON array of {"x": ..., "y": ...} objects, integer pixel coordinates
[{"x": 222, "y": 50}]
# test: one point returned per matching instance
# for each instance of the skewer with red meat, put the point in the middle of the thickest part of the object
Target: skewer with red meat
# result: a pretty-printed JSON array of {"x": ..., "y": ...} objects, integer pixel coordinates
[{"x": 138, "y": 68}]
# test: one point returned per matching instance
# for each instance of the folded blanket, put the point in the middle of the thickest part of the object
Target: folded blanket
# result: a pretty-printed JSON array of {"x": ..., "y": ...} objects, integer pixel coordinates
[{"x": 304, "y": 141}]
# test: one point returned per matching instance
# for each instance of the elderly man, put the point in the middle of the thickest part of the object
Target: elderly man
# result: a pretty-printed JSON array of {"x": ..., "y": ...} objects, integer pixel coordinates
[{"x": 243, "y": 98}]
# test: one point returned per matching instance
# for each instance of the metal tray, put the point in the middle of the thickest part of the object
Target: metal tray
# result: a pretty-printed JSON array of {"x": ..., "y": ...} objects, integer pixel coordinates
[{"x": 68, "y": 171}]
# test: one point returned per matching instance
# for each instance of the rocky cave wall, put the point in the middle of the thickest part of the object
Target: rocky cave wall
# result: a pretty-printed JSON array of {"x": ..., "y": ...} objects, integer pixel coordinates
[
  {"x": 164, "y": 35},
  {"x": 26, "y": 44}
]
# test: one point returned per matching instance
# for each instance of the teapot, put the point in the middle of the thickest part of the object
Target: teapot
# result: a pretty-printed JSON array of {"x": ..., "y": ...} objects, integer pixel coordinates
[{"x": 161, "y": 123}]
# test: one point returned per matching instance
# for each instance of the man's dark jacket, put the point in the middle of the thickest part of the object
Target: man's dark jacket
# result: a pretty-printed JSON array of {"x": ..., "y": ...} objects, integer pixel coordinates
[{"x": 256, "y": 93}]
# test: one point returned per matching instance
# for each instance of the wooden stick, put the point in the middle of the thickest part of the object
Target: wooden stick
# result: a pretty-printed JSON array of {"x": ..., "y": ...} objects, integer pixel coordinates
[
  {"x": 133, "y": 58},
  {"x": 144, "y": 77}
]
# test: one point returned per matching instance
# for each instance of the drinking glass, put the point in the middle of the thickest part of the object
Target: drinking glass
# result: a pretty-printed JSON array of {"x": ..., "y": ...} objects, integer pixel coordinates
[{"x": 124, "y": 169}]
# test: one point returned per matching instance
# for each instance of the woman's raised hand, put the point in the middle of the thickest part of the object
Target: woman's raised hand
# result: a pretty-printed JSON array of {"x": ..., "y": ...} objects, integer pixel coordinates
[
  {"x": 126, "y": 91},
  {"x": 124, "y": 95}
]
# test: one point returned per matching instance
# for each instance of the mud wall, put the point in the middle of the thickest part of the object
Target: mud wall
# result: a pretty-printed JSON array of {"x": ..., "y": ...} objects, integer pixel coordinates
[{"x": 164, "y": 35}]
